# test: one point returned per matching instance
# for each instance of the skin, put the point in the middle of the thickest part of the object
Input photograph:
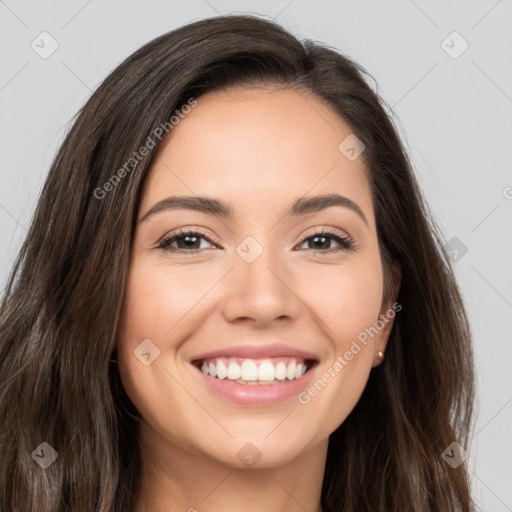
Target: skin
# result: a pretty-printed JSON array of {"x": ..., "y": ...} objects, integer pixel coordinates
[{"x": 260, "y": 150}]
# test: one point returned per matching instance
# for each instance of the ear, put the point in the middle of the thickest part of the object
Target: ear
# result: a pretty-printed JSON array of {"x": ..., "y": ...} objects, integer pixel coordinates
[{"x": 387, "y": 314}]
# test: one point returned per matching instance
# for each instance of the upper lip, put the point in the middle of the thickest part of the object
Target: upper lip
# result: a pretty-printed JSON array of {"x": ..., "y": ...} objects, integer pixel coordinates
[{"x": 257, "y": 352}]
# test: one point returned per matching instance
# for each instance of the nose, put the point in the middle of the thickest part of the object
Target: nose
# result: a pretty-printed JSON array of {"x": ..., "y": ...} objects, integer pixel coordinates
[{"x": 262, "y": 291}]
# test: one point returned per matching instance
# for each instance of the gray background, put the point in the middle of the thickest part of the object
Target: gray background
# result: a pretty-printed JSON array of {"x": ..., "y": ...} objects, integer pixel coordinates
[{"x": 454, "y": 115}]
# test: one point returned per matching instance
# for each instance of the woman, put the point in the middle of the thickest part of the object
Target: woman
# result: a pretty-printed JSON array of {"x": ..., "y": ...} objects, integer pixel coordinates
[{"x": 179, "y": 331}]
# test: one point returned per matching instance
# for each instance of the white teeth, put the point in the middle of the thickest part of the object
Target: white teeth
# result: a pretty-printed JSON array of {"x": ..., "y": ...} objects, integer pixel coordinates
[
  {"x": 222, "y": 371},
  {"x": 280, "y": 371},
  {"x": 290, "y": 371},
  {"x": 233, "y": 371},
  {"x": 266, "y": 371},
  {"x": 249, "y": 373},
  {"x": 256, "y": 382},
  {"x": 249, "y": 370}
]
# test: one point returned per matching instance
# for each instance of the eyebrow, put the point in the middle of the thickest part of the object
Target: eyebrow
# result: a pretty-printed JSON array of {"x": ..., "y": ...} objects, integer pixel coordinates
[{"x": 210, "y": 206}]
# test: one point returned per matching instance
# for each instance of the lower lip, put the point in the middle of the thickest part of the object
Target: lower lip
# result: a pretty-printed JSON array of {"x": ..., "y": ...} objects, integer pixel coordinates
[{"x": 264, "y": 394}]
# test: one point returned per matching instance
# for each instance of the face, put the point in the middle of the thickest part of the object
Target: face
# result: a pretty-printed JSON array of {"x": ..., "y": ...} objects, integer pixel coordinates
[{"x": 256, "y": 293}]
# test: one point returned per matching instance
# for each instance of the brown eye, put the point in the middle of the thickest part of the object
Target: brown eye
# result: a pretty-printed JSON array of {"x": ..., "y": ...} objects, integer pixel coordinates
[
  {"x": 187, "y": 242},
  {"x": 323, "y": 239}
]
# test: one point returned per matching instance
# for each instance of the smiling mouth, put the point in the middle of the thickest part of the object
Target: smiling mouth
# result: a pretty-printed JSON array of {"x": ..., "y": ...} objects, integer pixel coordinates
[{"x": 272, "y": 370}]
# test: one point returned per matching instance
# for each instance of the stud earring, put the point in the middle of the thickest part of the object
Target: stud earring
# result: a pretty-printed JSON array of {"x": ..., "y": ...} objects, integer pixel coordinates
[{"x": 381, "y": 355}]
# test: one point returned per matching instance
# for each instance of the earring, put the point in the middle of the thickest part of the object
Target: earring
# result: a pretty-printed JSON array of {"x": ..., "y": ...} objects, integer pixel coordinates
[{"x": 381, "y": 355}]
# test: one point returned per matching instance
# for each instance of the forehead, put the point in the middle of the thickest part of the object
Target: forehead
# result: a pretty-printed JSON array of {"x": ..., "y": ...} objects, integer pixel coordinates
[{"x": 257, "y": 148}]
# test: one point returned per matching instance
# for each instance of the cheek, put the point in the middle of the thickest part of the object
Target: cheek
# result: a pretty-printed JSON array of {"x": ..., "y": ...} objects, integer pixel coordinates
[
  {"x": 157, "y": 301},
  {"x": 348, "y": 301},
  {"x": 155, "y": 308},
  {"x": 347, "y": 298}
]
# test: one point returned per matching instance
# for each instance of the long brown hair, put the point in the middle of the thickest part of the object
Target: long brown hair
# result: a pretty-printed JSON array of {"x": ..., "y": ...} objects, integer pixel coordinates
[{"x": 59, "y": 382}]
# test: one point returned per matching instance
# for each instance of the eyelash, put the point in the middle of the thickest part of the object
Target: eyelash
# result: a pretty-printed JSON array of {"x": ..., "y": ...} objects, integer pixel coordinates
[{"x": 347, "y": 244}]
